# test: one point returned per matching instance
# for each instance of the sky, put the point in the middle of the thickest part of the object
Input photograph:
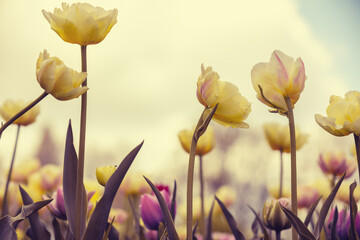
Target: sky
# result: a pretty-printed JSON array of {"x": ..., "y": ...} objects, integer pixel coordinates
[{"x": 142, "y": 77}]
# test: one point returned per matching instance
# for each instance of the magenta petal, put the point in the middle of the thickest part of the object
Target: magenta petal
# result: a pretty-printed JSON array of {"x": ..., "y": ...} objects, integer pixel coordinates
[{"x": 150, "y": 211}]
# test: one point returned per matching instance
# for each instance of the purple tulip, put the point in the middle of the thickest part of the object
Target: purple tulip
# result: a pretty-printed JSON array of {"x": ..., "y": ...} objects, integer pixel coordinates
[
  {"x": 57, "y": 206},
  {"x": 150, "y": 209},
  {"x": 343, "y": 223}
]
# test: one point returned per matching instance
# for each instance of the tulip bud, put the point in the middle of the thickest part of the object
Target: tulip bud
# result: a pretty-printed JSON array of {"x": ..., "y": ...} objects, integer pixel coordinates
[
  {"x": 10, "y": 108},
  {"x": 150, "y": 209},
  {"x": 274, "y": 218},
  {"x": 57, "y": 79},
  {"x": 336, "y": 164},
  {"x": 343, "y": 223},
  {"x": 103, "y": 174},
  {"x": 204, "y": 145},
  {"x": 57, "y": 206}
]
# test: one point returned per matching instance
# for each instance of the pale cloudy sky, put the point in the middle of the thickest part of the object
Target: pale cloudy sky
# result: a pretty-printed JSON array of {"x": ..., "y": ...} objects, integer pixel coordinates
[{"x": 142, "y": 77}]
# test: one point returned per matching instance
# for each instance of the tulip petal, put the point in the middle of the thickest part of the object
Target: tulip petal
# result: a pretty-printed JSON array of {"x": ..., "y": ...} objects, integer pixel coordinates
[{"x": 329, "y": 125}]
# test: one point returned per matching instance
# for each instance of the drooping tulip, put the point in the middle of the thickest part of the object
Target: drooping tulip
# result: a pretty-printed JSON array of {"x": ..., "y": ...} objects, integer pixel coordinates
[
  {"x": 233, "y": 108},
  {"x": 11, "y": 108}
]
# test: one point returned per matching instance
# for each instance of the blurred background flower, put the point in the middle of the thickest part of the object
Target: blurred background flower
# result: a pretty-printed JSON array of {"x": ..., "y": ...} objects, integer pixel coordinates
[{"x": 11, "y": 107}]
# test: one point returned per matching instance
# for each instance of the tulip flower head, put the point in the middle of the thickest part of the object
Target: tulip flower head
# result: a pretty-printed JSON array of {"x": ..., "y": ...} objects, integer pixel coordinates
[
  {"x": 343, "y": 115},
  {"x": 10, "y": 108},
  {"x": 103, "y": 174},
  {"x": 307, "y": 195},
  {"x": 57, "y": 206},
  {"x": 81, "y": 23},
  {"x": 204, "y": 145},
  {"x": 343, "y": 223},
  {"x": 57, "y": 79},
  {"x": 150, "y": 209},
  {"x": 343, "y": 193},
  {"x": 278, "y": 137},
  {"x": 232, "y": 108},
  {"x": 280, "y": 78},
  {"x": 336, "y": 163},
  {"x": 274, "y": 218}
]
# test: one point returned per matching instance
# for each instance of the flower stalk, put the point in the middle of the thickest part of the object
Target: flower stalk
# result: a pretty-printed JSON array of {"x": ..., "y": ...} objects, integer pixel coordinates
[
  {"x": 80, "y": 170},
  {"x": 201, "y": 178},
  {"x": 290, "y": 116},
  {"x": 281, "y": 174},
  {"x": 5, "y": 207},
  {"x": 199, "y": 130},
  {"x": 357, "y": 147},
  {"x": 19, "y": 114}
]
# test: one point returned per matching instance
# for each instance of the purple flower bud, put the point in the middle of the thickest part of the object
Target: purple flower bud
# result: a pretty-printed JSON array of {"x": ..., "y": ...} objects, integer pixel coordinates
[
  {"x": 57, "y": 206},
  {"x": 343, "y": 223},
  {"x": 150, "y": 209}
]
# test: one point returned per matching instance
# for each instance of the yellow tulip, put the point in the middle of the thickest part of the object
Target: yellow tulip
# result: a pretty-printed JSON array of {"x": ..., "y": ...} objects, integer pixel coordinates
[
  {"x": 23, "y": 170},
  {"x": 233, "y": 108},
  {"x": 81, "y": 23},
  {"x": 343, "y": 115},
  {"x": 278, "y": 137},
  {"x": 103, "y": 174},
  {"x": 281, "y": 77},
  {"x": 273, "y": 217},
  {"x": 11, "y": 108},
  {"x": 57, "y": 79},
  {"x": 343, "y": 193},
  {"x": 47, "y": 179},
  {"x": 134, "y": 184},
  {"x": 204, "y": 145},
  {"x": 274, "y": 190}
]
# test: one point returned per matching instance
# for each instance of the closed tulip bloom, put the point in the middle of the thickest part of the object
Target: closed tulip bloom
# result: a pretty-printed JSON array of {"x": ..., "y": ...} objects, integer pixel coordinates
[
  {"x": 23, "y": 170},
  {"x": 57, "y": 206},
  {"x": 278, "y": 137},
  {"x": 336, "y": 163},
  {"x": 307, "y": 195},
  {"x": 343, "y": 223},
  {"x": 279, "y": 78},
  {"x": 10, "y": 108},
  {"x": 343, "y": 115},
  {"x": 81, "y": 23},
  {"x": 274, "y": 218},
  {"x": 204, "y": 145},
  {"x": 150, "y": 209},
  {"x": 57, "y": 79},
  {"x": 233, "y": 108},
  {"x": 103, "y": 174}
]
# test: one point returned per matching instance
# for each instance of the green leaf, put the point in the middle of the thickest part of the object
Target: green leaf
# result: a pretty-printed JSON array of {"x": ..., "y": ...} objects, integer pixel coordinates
[
  {"x": 263, "y": 229},
  {"x": 311, "y": 211},
  {"x": 353, "y": 211},
  {"x": 208, "y": 235},
  {"x": 138, "y": 228},
  {"x": 299, "y": 226},
  {"x": 38, "y": 229},
  {"x": 231, "y": 221},
  {"x": 173, "y": 203},
  {"x": 169, "y": 223},
  {"x": 98, "y": 220},
  {"x": 325, "y": 208},
  {"x": 333, "y": 234}
]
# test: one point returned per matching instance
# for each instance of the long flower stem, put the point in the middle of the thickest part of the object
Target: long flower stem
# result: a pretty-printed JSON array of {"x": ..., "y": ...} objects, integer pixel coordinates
[
  {"x": 201, "y": 178},
  {"x": 290, "y": 116},
  {"x": 80, "y": 170},
  {"x": 278, "y": 235},
  {"x": 19, "y": 114},
  {"x": 190, "y": 181},
  {"x": 281, "y": 174},
  {"x": 357, "y": 147},
  {"x": 5, "y": 207}
]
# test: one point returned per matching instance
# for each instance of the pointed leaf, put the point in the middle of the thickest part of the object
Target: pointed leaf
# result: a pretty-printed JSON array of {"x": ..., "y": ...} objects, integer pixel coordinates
[
  {"x": 208, "y": 235},
  {"x": 194, "y": 230},
  {"x": 325, "y": 208},
  {"x": 263, "y": 229},
  {"x": 169, "y": 223},
  {"x": 69, "y": 179},
  {"x": 97, "y": 223},
  {"x": 173, "y": 203},
  {"x": 299, "y": 226},
  {"x": 333, "y": 233},
  {"x": 38, "y": 228},
  {"x": 28, "y": 210},
  {"x": 231, "y": 221},
  {"x": 311, "y": 211},
  {"x": 113, "y": 233},
  {"x": 353, "y": 211}
]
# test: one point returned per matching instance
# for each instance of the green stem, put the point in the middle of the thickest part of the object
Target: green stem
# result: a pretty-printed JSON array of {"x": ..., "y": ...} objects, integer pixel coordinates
[
  {"x": 201, "y": 176},
  {"x": 190, "y": 181},
  {"x": 80, "y": 170},
  {"x": 5, "y": 207},
  {"x": 281, "y": 174},
  {"x": 290, "y": 116},
  {"x": 357, "y": 147},
  {"x": 19, "y": 114},
  {"x": 278, "y": 235}
]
